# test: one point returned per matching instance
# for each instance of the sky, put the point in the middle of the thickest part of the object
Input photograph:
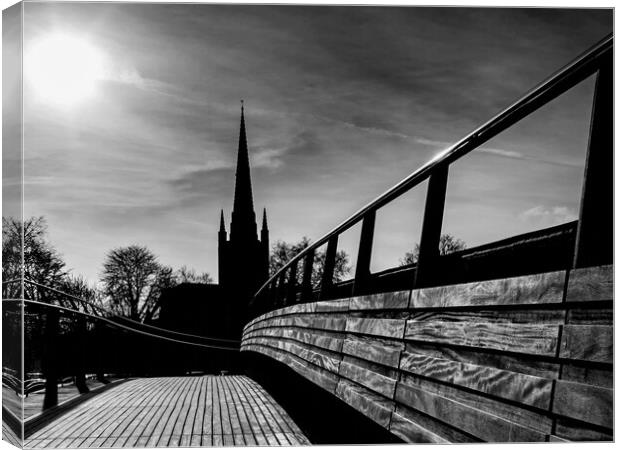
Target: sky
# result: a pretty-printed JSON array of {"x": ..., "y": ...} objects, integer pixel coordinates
[{"x": 341, "y": 103}]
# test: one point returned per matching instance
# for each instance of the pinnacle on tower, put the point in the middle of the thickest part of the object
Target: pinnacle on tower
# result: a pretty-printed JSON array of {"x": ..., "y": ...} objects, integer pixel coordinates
[
  {"x": 222, "y": 225},
  {"x": 265, "y": 219}
]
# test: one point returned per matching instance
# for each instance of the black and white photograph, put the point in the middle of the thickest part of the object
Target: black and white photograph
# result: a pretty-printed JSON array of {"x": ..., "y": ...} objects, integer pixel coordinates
[{"x": 230, "y": 224}]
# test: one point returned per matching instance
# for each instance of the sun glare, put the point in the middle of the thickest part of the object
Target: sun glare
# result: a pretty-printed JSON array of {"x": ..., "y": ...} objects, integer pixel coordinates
[{"x": 63, "y": 69}]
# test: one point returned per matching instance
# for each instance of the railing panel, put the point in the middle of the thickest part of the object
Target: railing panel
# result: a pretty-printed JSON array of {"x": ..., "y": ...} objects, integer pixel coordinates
[
  {"x": 397, "y": 231},
  {"x": 527, "y": 178},
  {"x": 327, "y": 275},
  {"x": 527, "y": 119},
  {"x": 595, "y": 233}
]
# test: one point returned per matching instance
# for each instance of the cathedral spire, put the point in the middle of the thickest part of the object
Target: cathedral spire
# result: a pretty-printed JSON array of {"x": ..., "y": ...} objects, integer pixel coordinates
[
  {"x": 222, "y": 225},
  {"x": 243, "y": 216},
  {"x": 265, "y": 219}
]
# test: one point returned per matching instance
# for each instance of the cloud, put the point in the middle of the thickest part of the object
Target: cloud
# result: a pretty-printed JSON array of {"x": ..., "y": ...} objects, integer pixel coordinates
[
  {"x": 548, "y": 215},
  {"x": 501, "y": 152}
]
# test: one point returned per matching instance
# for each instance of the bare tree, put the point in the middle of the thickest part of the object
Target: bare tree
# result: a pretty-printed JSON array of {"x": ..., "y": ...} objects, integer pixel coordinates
[
  {"x": 77, "y": 286},
  {"x": 41, "y": 262},
  {"x": 447, "y": 244},
  {"x": 187, "y": 275},
  {"x": 282, "y": 252},
  {"x": 133, "y": 280}
]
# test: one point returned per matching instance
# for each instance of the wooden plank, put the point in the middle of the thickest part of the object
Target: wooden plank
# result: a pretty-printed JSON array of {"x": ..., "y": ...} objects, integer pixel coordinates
[
  {"x": 571, "y": 430},
  {"x": 368, "y": 376},
  {"x": 196, "y": 431},
  {"x": 529, "y": 316},
  {"x": 373, "y": 406},
  {"x": 529, "y": 289},
  {"x": 585, "y": 374},
  {"x": 529, "y": 418},
  {"x": 288, "y": 426},
  {"x": 388, "y": 300},
  {"x": 332, "y": 306},
  {"x": 251, "y": 416},
  {"x": 405, "y": 426},
  {"x": 482, "y": 424},
  {"x": 88, "y": 425},
  {"x": 158, "y": 413},
  {"x": 590, "y": 284},
  {"x": 183, "y": 425},
  {"x": 590, "y": 404},
  {"x": 265, "y": 426},
  {"x": 525, "y": 364},
  {"x": 590, "y": 316},
  {"x": 330, "y": 322},
  {"x": 278, "y": 426},
  {"x": 227, "y": 429},
  {"x": 217, "y": 428},
  {"x": 377, "y": 350},
  {"x": 323, "y": 339},
  {"x": 133, "y": 432},
  {"x": 320, "y": 358},
  {"x": 76, "y": 416},
  {"x": 321, "y": 377},
  {"x": 122, "y": 419},
  {"x": 526, "y": 389},
  {"x": 588, "y": 343},
  {"x": 519, "y": 338},
  {"x": 235, "y": 423},
  {"x": 241, "y": 406},
  {"x": 392, "y": 328},
  {"x": 205, "y": 429},
  {"x": 161, "y": 433}
]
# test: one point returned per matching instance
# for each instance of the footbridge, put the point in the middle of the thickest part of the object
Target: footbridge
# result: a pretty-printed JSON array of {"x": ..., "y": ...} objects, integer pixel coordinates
[{"x": 511, "y": 341}]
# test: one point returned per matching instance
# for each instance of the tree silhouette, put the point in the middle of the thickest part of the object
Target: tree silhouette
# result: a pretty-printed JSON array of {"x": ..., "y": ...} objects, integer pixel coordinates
[
  {"x": 133, "y": 280},
  {"x": 447, "y": 244},
  {"x": 41, "y": 262},
  {"x": 187, "y": 275},
  {"x": 282, "y": 252}
]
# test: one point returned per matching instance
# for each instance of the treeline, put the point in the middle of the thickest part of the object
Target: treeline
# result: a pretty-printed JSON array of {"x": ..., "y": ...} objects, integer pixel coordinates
[
  {"x": 130, "y": 284},
  {"x": 132, "y": 278}
]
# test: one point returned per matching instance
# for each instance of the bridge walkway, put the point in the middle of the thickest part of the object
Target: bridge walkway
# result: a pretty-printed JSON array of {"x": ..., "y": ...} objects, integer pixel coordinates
[{"x": 173, "y": 411}]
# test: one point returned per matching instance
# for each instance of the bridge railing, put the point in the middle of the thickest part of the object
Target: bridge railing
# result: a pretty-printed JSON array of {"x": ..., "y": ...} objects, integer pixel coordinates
[
  {"x": 582, "y": 243},
  {"x": 65, "y": 336}
]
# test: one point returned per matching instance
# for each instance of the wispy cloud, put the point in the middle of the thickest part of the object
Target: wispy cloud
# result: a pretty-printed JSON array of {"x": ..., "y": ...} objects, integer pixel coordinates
[{"x": 548, "y": 215}]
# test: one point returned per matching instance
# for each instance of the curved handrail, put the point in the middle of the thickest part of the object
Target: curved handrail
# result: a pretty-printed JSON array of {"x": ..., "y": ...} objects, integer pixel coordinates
[
  {"x": 112, "y": 316},
  {"x": 562, "y": 80},
  {"x": 125, "y": 327}
]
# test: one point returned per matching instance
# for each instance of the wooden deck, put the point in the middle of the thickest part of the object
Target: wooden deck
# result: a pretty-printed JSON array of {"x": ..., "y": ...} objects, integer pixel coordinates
[{"x": 174, "y": 411}]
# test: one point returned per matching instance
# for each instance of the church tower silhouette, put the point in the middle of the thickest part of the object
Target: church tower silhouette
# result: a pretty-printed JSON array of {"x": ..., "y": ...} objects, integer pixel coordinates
[{"x": 243, "y": 258}]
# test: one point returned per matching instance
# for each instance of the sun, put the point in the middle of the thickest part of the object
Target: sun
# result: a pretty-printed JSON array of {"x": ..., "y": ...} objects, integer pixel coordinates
[{"x": 63, "y": 69}]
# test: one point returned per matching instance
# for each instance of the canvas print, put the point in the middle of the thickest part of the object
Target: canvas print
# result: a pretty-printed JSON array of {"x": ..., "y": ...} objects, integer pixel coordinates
[{"x": 286, "y": 225}]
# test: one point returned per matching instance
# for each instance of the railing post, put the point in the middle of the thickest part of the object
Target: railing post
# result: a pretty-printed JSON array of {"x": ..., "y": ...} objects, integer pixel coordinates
[
  {"x": 81, "y": 344},
  {"x": 281, "y": 295},
  {"x": 431, "y": 227},
  {"x": 594, "y": 240},
  {"x": 306, "y": 283},
  {"x": 273, "y": 295},
  {"x": 292, "y": 285},
  {"x": 50, "y": 358},
  {"x": 328, "y": 268},
  {"x": 361, "y": 284}
]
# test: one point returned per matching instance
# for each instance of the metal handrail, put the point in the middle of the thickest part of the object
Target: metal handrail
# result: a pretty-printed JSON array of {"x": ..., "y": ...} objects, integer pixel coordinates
[
  {"x": 111, "y": 315},
  {"x": 559, "y": 82},
  {"x": 110, "y": 321}
]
